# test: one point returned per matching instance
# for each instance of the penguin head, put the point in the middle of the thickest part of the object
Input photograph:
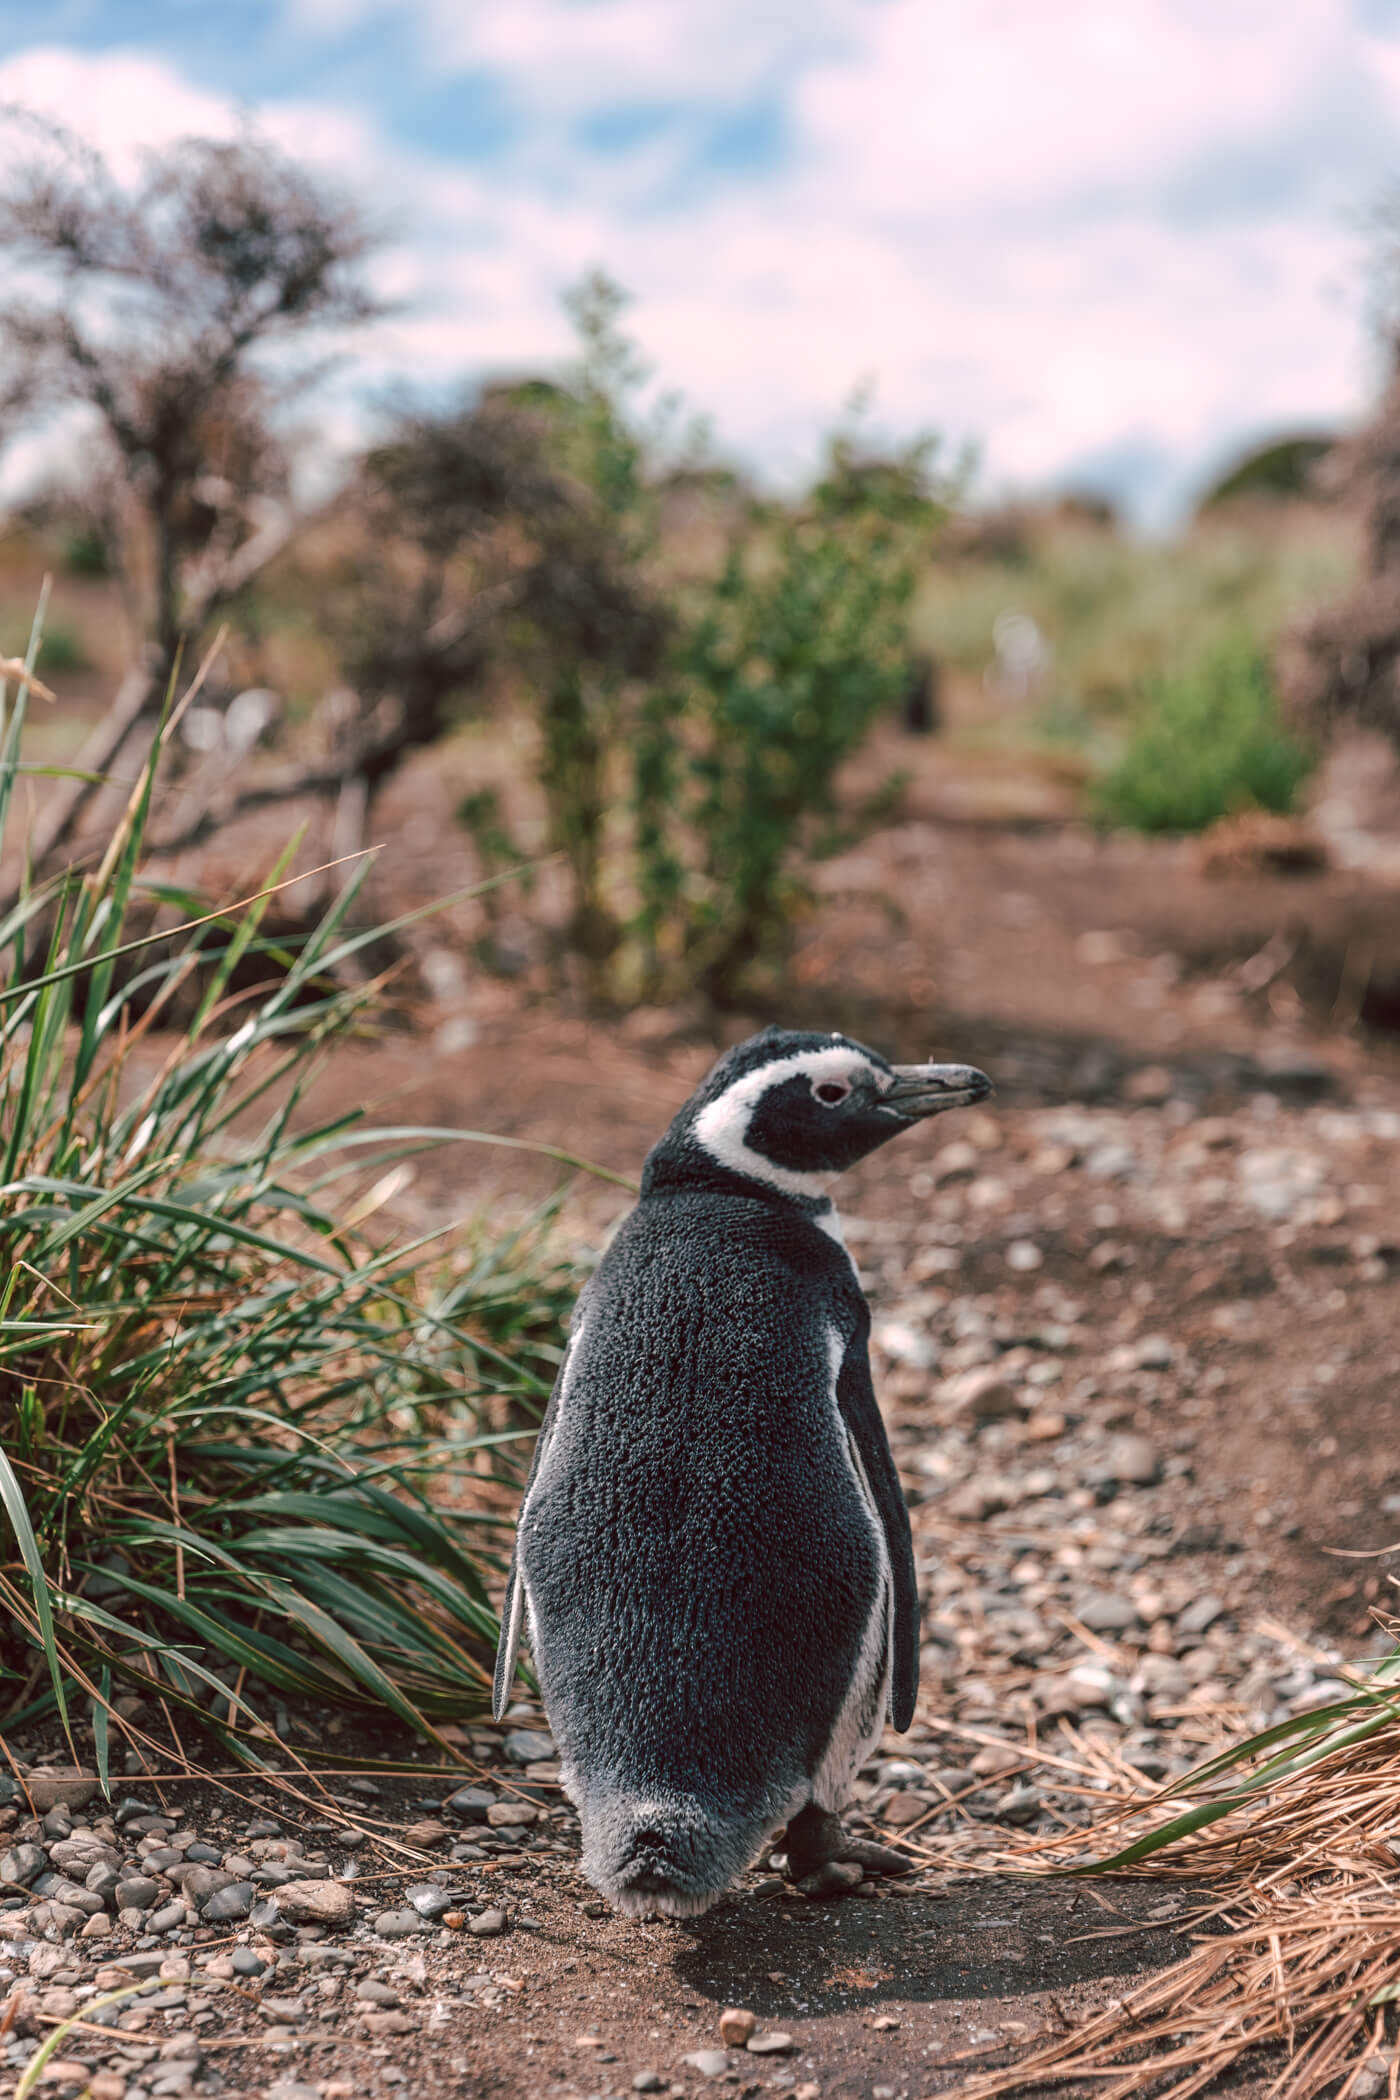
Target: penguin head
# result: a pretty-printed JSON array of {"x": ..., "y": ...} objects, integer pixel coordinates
[{"x": 789, "y": 1109}]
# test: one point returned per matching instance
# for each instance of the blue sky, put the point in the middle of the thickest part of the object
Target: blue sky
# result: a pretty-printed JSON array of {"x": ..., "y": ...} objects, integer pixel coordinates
[{"x": 1107, "y": 240}]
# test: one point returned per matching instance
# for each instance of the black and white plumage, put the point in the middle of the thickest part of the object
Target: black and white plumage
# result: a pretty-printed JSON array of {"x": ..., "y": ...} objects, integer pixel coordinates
[{"x": 713, "y": 1552}]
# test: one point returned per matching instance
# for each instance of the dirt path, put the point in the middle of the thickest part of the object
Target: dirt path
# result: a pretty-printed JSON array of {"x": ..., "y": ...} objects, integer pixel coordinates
[{"x": 1137, "y": 1338}]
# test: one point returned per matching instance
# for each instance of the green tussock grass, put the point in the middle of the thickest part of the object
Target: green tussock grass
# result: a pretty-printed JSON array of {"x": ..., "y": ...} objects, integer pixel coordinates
[{"x": 242, "y": 1441}]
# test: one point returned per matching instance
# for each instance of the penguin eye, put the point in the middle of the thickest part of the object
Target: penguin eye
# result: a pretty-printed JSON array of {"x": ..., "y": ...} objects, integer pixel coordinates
[{"x": 831, "y": 1092}]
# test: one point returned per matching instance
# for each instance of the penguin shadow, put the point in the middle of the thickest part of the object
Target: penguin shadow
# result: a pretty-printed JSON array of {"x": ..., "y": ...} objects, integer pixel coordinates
[{"x": 997, "y": 1939}]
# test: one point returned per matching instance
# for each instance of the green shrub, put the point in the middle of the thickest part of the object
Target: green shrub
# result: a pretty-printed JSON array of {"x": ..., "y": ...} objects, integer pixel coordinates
[
  {"x": 240, "y": 1442},
  {"x": 792, "y": 655},
  {"x": 1207, "y": 742},
  {"x": 60, "y": 650},
  {"x": 86, "y": 552}
]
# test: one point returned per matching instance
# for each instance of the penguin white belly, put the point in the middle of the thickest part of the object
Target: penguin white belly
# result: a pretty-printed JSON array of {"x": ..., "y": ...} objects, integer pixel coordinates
[{"x": 861, "y": 1720}]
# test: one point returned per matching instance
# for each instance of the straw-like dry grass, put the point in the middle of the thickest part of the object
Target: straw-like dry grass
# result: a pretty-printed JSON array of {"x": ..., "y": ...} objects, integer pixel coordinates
[{"x": 1296, "y": 1962}]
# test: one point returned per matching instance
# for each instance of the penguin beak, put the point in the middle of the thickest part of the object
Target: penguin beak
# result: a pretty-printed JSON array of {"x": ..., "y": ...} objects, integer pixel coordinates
[{"x": 926, "y": 1090}]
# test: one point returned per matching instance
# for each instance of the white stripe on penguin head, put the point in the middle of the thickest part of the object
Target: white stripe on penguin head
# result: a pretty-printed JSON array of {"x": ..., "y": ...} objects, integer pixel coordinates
[{"x": 722, "y": 1126}]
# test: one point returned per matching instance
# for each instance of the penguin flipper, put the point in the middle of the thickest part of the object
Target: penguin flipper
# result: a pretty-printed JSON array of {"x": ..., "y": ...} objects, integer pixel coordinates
[
  {"x": 855, "y": 1396},
  {"x": 513, "y": 1603}
]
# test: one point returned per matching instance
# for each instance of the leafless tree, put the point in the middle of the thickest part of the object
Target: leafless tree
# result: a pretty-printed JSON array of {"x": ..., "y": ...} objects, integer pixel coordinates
[{"x": 179, "y": 312}]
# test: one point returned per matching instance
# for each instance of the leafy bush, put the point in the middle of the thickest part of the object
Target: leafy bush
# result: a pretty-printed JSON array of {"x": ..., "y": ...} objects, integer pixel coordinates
[
  {"x": 86, "y": 552},
  {"x": 242, "y": 1442},
  {"x": 792, "y": 654},
  {"x": 1208, "y": 742},
  {"x": 60, "y": 650}
]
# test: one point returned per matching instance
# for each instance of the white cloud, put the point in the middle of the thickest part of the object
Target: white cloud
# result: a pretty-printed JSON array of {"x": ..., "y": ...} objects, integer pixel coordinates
[{"x": 1059, "y": 230}]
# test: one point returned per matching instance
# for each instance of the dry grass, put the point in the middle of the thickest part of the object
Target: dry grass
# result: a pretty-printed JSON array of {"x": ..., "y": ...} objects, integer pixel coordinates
[{"x": 1296, "y": 1961}]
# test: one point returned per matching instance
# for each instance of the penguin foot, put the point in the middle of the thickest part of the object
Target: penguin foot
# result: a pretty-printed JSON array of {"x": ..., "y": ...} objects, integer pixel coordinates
[{"x": 825, "y": 1860}]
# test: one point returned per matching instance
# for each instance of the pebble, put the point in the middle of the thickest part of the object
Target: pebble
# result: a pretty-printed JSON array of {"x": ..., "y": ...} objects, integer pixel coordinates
[
  {"x": 247, "y": 1963},
  {"x": 736, "y": 2024},
  {"x": 329, "y": 1903},
  {"x": 70, "y": 1784},
  {"x": 511, "y": 1815},
  {"x": 137, "y": 1892},
  {"x": 1103, "y": 1612},
  {"x": 470, "y": 1803},
  {"x": 771, "y": 2044},
  {"x": 22, "y": 1864},
  {"x": 1132, "y": 1458},
  {"x": 527, "y": 1746},
  {"x": 487, "y": 1924},
  {"x": 226, "y": 1905},
  {"x": 647, "y": 2082},
  {"x": 429, "y": 1900},
  {"x": 400, "y": 1924},
  {"x": 710, "y": 2063},
  {"x": 1200, "y": 1613}
]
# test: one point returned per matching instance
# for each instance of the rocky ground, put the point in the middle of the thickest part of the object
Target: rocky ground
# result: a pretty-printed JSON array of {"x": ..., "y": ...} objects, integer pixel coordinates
[
  {"x": 1138, "y": 1366},
  {"x": 1137, "y": 1341}
]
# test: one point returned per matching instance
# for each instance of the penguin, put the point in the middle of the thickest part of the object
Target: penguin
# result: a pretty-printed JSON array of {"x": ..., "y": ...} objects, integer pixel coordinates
[{"x": 713, "y": 1555}]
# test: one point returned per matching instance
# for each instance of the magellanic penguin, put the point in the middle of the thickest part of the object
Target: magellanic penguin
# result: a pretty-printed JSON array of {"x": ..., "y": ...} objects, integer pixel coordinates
[{"x": 713, "y": 1553}]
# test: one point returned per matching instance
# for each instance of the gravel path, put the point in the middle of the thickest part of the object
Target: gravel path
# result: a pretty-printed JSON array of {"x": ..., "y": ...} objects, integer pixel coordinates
[{"x": 1138, "y": 1368}]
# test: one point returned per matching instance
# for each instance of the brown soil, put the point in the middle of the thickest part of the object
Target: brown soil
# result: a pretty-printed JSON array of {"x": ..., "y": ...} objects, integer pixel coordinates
[{"x": 1107, "y": 974}]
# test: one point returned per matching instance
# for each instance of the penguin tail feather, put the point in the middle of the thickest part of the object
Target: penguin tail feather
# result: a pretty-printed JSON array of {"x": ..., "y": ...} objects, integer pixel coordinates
[{"x": 672, "y": 1857}]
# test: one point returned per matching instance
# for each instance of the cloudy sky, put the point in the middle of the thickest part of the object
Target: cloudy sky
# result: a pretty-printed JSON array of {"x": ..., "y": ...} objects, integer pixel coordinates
[{"x": 1108, "y": 240}]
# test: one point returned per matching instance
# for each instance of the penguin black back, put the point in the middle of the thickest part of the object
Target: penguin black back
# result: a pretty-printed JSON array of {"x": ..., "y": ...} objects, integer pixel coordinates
[{"x": 713, "y": 1549}]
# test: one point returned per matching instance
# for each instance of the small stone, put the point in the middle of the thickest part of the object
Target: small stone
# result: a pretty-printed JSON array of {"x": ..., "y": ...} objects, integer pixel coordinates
[
  {"x": 22, "y": 1864},
  {"x": 710, "y": 2063},
  {"x": 1021, "y": 1805},
  {"x": 246, "y": 1963},
  {"x": 470, "y": 1803},
  {"x": 198, "y": 1883},
  {"x": 1102, "y": 1612},
  {"x": 809, "y": 2091},
  {"x": 528, "y": 1746},
  {"x": 884, "y": 2025},
  {"x": 57, "y": 1921},
  {"x": 774, "y": 2043},
  {"x": 904, "y": 1808},
  {"x": 647, "y": 2082},
  {"x": 1132, "y": 1458},
  {"x": 97, "y": 1926},
  {"x": 329, "y": 1903},
  {"x": 1151, "y": 1085},
  {"x": 487, "y": 1924},
  {"x": 428, "y": 1899},
  {"x": 106, "y": 2085},
  {"x": 1023, "y": 1256},
  {"x": 1198, "y": 1615},
  {"x": 137, "y": 1892},
  {"x": 736, "y": 2024},
  {"x": 400, "y": 1924},
  {"x": 984, "y": 1394},
  {"x": 904, "y": 1344},
  {"x": 388, "y": 2022},
  {"x": 166, "y": 1918},
  {"x": 833, "y": 1878},
  {"x": 1153, "y": 1353},
  {"x": 370, "y": 1991},
  {"x": 511, "y": 1815},
  {"x": 70, "y": 1784},
  {"x": 427, "y": 1834},
  {"x": 225, "y": 1906}
]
